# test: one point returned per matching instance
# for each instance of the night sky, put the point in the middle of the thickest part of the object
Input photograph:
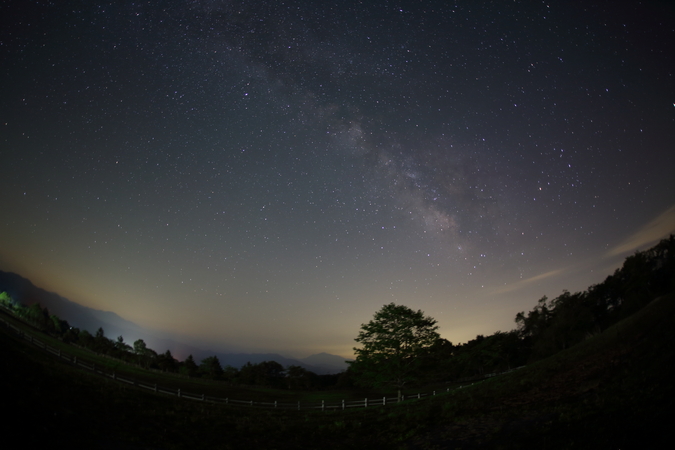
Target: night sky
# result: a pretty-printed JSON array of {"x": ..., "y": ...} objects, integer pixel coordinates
[{"x": 265, "y": 175}]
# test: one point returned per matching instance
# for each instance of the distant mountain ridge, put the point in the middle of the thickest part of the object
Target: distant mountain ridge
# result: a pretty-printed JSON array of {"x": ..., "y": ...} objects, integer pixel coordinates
[
  {"x": 24, "y": 291},
  {"x": 334, "y": 364},
  {"x": 327, "y": 361}
]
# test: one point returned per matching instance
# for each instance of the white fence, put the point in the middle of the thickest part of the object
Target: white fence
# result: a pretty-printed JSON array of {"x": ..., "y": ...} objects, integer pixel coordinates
[{"x": 323, "y": 406}]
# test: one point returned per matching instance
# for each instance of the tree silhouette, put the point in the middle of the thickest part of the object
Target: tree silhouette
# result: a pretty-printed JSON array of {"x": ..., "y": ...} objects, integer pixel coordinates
[
  {"x": 298, "y": 377},
  {"x": 189, "y": 367},
  {"x": 266, "y": 373},
  {"x": 166, "y": 362},
  {"x": 211, "y": 368},
  {"x": 394, "y": 344}
]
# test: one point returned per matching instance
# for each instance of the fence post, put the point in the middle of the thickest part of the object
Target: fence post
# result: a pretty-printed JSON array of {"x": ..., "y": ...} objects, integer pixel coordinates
[
  {"x": 75, "y": 360},
  {"x": 366, "y": 403},
  {"x": 434, "y": 392},
  {"x": 227, "y": 400},
  {"x": 251, "y": 402},
  {"x": 322, "y": 405},
  {"x": 418, "y": 396},
  {"x": 155, "y": 387},
  {"x": 178, "y": 392},
  {"x": 343, "y": 404},
  {"x": 275, "y": 403}
]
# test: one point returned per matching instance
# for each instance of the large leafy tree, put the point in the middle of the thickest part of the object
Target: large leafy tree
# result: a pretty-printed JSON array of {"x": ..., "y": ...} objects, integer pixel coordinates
[{"x": 394, "y": 344}]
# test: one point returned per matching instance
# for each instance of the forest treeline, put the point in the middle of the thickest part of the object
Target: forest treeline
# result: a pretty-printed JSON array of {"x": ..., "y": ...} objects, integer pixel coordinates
[
  {"x": 551, "y": 326},
  {"x": 556, "y": 324}
]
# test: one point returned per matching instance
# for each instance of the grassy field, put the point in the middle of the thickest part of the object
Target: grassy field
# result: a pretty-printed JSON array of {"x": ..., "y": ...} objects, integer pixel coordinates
[{"x": 612, "y": 391}]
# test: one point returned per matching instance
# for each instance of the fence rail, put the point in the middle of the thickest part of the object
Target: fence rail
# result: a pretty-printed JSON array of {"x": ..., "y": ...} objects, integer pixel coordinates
[{"x": 322, "y": 405}]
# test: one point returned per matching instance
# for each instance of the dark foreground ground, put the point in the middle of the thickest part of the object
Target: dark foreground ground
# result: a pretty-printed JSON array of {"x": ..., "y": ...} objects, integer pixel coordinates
[{"x": 613, "y": 391}]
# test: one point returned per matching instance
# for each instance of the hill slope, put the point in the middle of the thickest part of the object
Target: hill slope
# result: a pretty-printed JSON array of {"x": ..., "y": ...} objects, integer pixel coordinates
[{"x": 612, "y": 391}]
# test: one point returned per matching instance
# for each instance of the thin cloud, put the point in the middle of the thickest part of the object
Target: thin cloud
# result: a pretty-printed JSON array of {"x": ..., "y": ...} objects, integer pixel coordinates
[
  {"x": 523, "y": 283},
  {"x": 655, "y": 230}
]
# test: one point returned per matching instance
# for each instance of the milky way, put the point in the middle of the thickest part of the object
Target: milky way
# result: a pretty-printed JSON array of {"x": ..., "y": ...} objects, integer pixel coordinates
[{"x": 263, "y": 176}]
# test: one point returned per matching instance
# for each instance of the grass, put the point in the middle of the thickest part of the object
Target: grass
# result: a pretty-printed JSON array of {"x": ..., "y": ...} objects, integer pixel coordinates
[{"x": 611, "y": 391}]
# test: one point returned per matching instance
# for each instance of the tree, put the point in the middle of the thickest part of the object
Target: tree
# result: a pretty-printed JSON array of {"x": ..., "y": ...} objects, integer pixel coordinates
[
  {"x": 7, "y": 301},
  {"x": 394, "y": 345},
  {"x": 536, "y": 321},
  {"x": 167, "y": 362},
  {"x": 146, "y": 356},
  {"x": 101, "y": 343},
  {"x": 85, "y": 339},
  {"x": 189, "y": 367},
  {"x": 211, "y": 368},
  {"x": 266, "y": 373},
  {"x": 439, "y": 361},
  {"x": 139, "y": 347},
  {"x": 71, "y": 335},
  {"x": 298, "y": 377},
  {"x": 230, "y": 374},
  {"x": 122, "y": 346},
  {"x": 58, "y": 326}
]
